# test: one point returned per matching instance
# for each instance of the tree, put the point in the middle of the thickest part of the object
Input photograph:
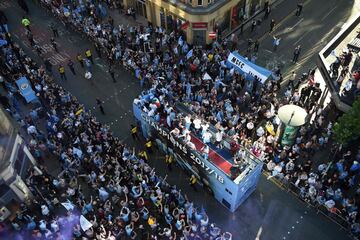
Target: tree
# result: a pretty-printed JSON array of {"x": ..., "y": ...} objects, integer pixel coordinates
[{"x": 347, "y": 128}]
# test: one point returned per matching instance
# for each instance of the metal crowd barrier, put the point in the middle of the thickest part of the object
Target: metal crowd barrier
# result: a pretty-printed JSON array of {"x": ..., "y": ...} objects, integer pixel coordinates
[{"x": 319, "y": 208}]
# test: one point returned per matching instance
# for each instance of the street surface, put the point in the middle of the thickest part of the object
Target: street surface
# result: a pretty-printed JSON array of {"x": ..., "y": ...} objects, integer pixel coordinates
[{"x": 270, "y": 212}]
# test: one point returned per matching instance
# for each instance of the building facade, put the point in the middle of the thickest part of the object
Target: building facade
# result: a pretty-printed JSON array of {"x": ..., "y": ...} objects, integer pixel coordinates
[
  {"x": 200, "y": 20},
  {"x": 15, "y": 160}
]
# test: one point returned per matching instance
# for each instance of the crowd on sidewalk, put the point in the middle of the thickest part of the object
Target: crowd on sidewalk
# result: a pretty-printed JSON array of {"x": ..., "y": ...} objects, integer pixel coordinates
[{"x": 240, "y": 107}]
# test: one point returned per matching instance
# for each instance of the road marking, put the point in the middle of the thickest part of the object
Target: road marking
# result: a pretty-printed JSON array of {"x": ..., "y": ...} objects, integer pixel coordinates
[
  {"x": 297, "y": 23},
  {"x": 300, "y": 39},
  {"x": 323, "y": 18},
  {"x": 100, "y": 65},
  {"x": 259, "y": 233},
  {"x": 282, "y": 21}
]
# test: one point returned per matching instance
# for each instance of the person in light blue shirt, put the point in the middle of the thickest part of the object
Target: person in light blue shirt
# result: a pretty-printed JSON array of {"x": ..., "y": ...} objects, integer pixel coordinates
[
  {"x": 103, "y": 194},
  {"x": 124, "y": 214},
  {"x": 129, "y": 229},
  {"x": 355, "y": 166}
]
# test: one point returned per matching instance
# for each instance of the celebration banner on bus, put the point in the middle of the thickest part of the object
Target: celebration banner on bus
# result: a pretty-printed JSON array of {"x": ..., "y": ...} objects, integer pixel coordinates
[{"x": 235, "y": 60}]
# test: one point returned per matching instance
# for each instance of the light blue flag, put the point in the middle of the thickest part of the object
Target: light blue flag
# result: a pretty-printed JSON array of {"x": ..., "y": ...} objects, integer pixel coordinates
[{"x": 189, "y": 54}]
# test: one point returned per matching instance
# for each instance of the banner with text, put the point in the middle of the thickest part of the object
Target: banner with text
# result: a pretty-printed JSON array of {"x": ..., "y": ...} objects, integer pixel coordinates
[{"x": 235, "y": 60}]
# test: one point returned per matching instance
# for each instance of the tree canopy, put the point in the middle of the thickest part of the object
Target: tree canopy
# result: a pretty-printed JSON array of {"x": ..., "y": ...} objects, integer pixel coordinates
[{"x": 347, "y": 128}]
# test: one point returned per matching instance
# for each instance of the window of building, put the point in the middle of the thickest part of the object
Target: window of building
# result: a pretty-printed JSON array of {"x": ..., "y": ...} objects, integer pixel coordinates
[{"x": 200, "y": 2}]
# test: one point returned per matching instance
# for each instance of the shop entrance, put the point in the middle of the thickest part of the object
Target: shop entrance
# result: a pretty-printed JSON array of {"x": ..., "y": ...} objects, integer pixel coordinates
[{"x": 199, "y": 37}]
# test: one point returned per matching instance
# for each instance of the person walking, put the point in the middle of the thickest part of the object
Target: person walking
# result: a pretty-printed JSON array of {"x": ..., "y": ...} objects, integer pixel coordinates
[
  {"x": 88, "y": 55},
  {"x": 148, "y": 146},
  {"x": 54, "y": 44},
  {"x": 30, "y": 37},
  {"x": 62, "y": 72},
  {"x": 80, "y": 59},
  {"x": 256, "y": 45},
  {"x": 112, "y": 72},
  {"x": 26, "y": 23},
  {"x": 71, "y": 66},
  {"x": 88, "y": 76},
  {"x": 253, "y": 25},
  {"x": 192, "y": 182},
  {"x": 299, "y": 9},
  {"x": 169, "y": 161},
  {"x": 276, "y": 43},
  {"x": 99, "y": 103},
  {"x": 98, "y": 49},
  {"x": 134, "y": 131},
  {"x": 48, "y": 65},
  {"x": 54, "y": 30},
  {"x": 292, "y": 80},
  {"x": 267, "y": 11},
  {"x": 272, "y": 25},
  {"x": 88, "y": 65},
  {"x": 296, "y": 53},
  {"x": 143, "y": 155}
]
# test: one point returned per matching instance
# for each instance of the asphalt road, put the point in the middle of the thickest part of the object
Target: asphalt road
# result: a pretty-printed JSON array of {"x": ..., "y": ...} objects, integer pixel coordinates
[
  {"x": 318, "y": 23},
  {"x": 269, "y": 213}
]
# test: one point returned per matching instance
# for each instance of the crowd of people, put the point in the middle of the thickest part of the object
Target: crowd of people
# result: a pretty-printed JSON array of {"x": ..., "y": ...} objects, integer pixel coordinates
[
  {"x": 105, "y": 191},
  {"x": 240, "y": 107},
  {"x": 346, "y": 75}
]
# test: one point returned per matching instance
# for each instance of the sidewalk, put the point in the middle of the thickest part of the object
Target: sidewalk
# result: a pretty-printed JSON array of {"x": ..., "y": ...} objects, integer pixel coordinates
[{"x": 121, "y": 19}]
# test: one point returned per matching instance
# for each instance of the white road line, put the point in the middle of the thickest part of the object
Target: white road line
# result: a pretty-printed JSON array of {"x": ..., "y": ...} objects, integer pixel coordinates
[
  {"x": 300, "y": 39},
  {"x": 259, "y": 233},
  {"x": 297, "y": 23},
  {"x": 323, "y": 18}
]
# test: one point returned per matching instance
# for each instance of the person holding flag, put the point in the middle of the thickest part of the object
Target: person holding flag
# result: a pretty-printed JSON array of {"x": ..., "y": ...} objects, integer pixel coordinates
[{"x": 189, "y": 54}]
